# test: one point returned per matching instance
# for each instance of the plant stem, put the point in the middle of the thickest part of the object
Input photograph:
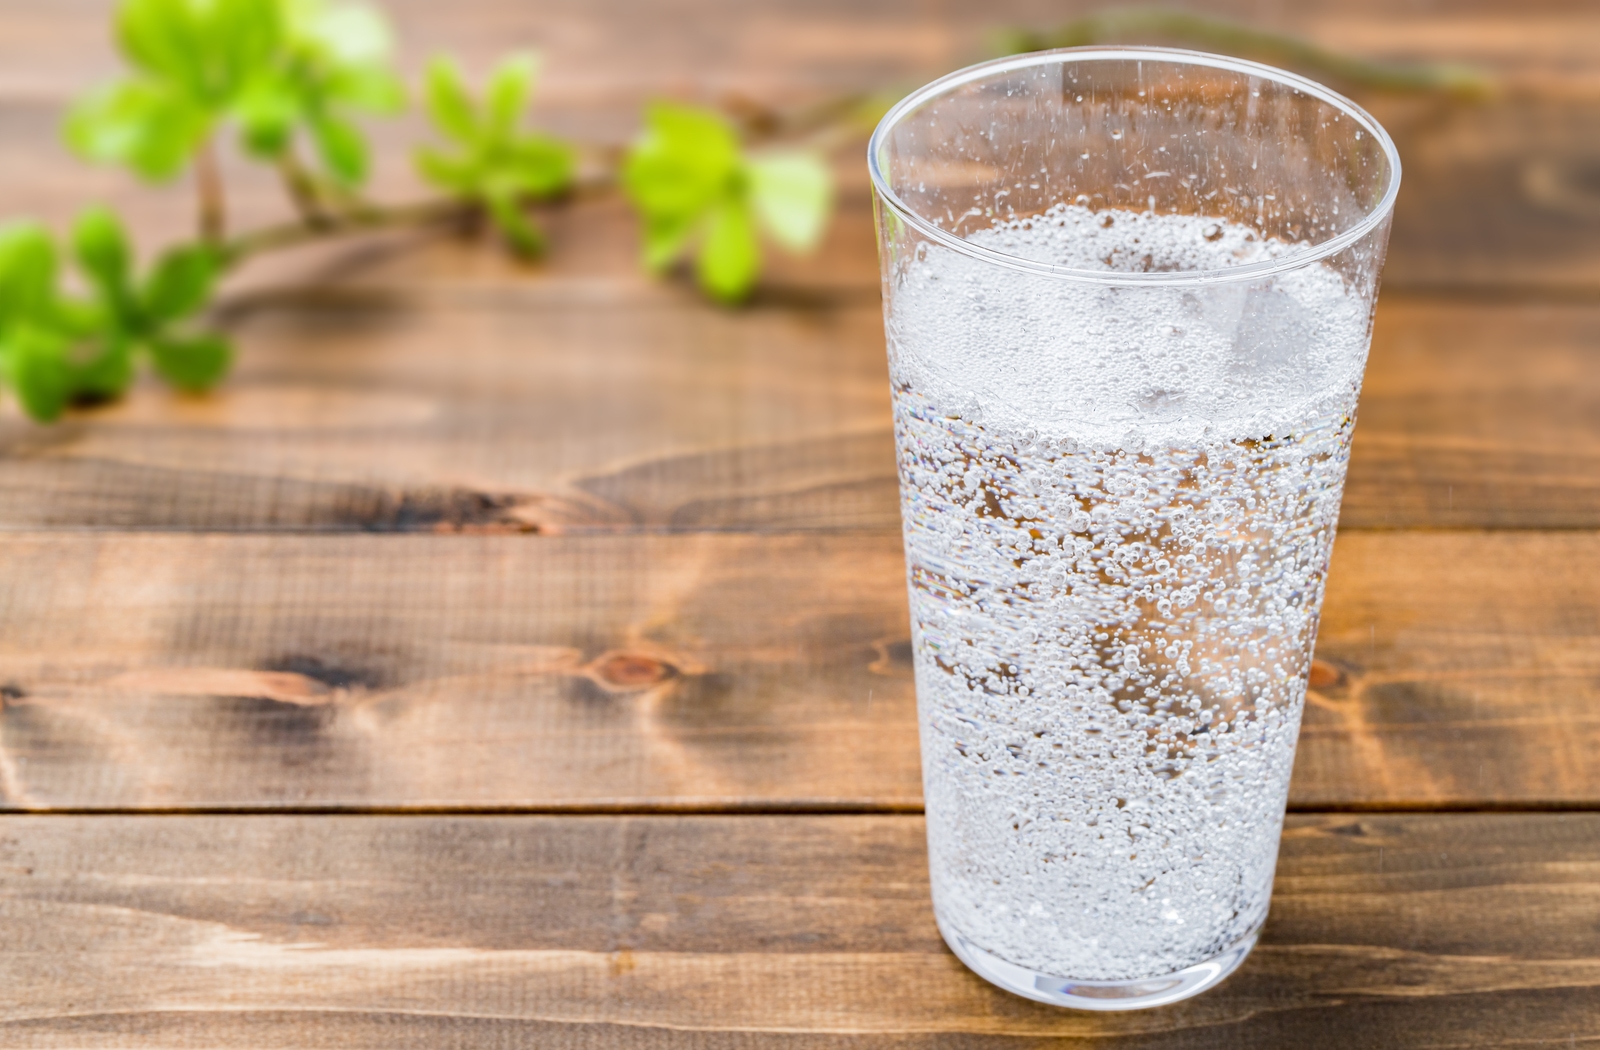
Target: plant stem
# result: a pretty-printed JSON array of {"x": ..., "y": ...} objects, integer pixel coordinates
[
  {"x": 854, "y": 111},
  {"x": 302, "y": 189},
  {"x": 373, "y": 217},
  {"x": 321, "y": 203},
  {"x": 208, "y": 184},
  {"x": 1231, "y": 37},
  {"x": 365, "y": 217},
  {"x": 821, "y": 125}
]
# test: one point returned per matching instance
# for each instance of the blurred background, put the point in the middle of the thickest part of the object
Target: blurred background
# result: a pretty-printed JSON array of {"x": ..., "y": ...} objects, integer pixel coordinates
[{"x": 1501, "y": 193}]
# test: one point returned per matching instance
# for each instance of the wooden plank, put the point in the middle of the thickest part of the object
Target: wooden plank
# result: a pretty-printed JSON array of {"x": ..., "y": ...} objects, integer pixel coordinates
[
  {"x": 705, "y": 671},
  {"x": 1392, "y": 931},
  {"x": 603, "y": 49},
  {"x": 551, "y": 415},
  {"x": 529, "y": 411},
  {"x": 1498, "y": 197},
  {"x": 1477, "y": 415},
  {"x": 1490, "y": 201},
  {"x": 1458, "y": 657},
  {"x": 436, "y": 670}
]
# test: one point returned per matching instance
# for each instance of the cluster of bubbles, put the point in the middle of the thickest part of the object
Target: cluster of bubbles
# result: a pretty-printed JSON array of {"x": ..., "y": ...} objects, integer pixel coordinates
[{"x": 1118, "y": 503}]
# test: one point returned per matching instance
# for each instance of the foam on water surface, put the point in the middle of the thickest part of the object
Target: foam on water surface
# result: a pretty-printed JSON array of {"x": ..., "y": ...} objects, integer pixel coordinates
[
  {"x": 1121, "y": 366},
  {"x": 1118, "y": 504}
]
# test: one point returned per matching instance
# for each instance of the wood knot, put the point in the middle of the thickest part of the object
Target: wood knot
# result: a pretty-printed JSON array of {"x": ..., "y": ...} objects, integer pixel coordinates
[
  {"x": 891, "y": 655},
  {"x": 1324, "y": 675},
  {"x": 629, "y": 671}
]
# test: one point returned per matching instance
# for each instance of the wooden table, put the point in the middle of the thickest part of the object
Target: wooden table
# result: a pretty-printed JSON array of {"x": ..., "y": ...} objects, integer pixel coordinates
[{"x": 518, "y": 657}]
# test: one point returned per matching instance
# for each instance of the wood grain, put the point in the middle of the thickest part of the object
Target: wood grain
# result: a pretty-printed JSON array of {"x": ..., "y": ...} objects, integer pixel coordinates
[
  {"x": 601, "y": 50},
  {"x": 704, "y": 671},
  {"x": 577, "y": 395},
  {"x": 1394, "y": 931},
  {"x": 1455, "y": 653},
  {"x": 468, "y": 534},
  {"x": 550, "y": 415},
  {"x": 532, "y": 412},
  {"x": 1478, "y": 415},
  {"x": 652, "y": 565},
  {"x": 439, "y": 670},
  {"x": 1498, "y": 197}
]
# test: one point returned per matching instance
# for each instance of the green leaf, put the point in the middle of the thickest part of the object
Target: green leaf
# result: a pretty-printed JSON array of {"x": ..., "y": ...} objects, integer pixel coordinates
[
  {"x": 497, "y": 164},
  {"x": 36, "y": 363},
  {"x": 688, "y": 179},
  {"x": 245, "y": 37},
  {"x": 332, "y": 64},
  {"x": 694, "y": 134},
  {"x": 339, "y": 57},
  {"x": 730, "y": 260},
  {"x": 372, "y": 89},
  {"x": 347, "y": 34},
  {"x": 181, "y": 283},
  {"x": 792, "y": 194},
  {"x": 105, "y": 374},
  {"x": 28, "y": 268},
  {"x": 206, "y": 49},
  {"x": 448, "y": 173},
  {"x": 141, "y": 124},
  {"x": 540, "y": 165},
  {"x": 342, "y": 148},
  {"x": 79, "y": 320},
  {"x": 514, "y": 225},
  {"x": 449, "y": 104},
  {"x": 266, "y": 115},
  {"x": 686, "y": 161},
  {"x": 195, "y": 61},
  {"x": 666, "y": 237},
  {"x": 164, "y": 38},
  {"x": 100, "y": 245},
  {"x": 507, "y": 94},
  {"x": 194, "y": 362}
]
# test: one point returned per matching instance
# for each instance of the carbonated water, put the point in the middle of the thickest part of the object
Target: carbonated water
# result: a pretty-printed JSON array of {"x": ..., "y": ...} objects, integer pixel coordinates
[{"x": 1118, "y": 505}]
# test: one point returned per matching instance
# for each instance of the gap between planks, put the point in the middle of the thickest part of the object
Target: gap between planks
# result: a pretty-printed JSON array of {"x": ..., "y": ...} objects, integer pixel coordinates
[{"x": 754, "y": 809}]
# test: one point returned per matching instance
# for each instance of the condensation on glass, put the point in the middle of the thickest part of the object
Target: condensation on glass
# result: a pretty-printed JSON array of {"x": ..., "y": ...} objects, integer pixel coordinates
[{"x": 1128, "y": 296}]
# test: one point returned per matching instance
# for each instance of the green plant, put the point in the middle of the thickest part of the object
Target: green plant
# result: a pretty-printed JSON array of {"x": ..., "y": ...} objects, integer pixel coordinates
[
  {"x": 194, "y": 66},
  {"x": 56, "y": 347},
  {"x": 495, "y": 163},
  {"x": 288, "y": 82},
  {"x": 332, "y": 68},
  {"x": 46, "y": 342},
  {"x": 700, "y": 193}
]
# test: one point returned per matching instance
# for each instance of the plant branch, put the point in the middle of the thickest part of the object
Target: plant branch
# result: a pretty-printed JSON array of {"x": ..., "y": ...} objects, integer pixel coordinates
[
  {"x": 208, "y": 185},
  {"x": 372, "y": 217},
  {"x": 302, "y": 189},
  {"x": 819, "y": 124},
  {"x": 1233, "y": 38}
]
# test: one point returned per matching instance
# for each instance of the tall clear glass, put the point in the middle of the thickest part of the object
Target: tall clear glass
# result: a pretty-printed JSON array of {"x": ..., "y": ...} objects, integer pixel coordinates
[{"x": 1128, "y": 296}]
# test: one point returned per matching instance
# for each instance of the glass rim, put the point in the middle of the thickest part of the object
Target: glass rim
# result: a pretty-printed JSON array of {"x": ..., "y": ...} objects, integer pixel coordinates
[{"x": 1248, "y": 272}]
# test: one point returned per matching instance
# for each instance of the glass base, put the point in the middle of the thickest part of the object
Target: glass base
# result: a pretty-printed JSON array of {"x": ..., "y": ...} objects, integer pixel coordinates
[{"x": 1137, "y": 994}]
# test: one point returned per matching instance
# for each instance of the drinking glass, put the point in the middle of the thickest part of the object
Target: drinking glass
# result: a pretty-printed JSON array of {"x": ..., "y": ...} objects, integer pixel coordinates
[{"x": 1128, "y": 296}]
